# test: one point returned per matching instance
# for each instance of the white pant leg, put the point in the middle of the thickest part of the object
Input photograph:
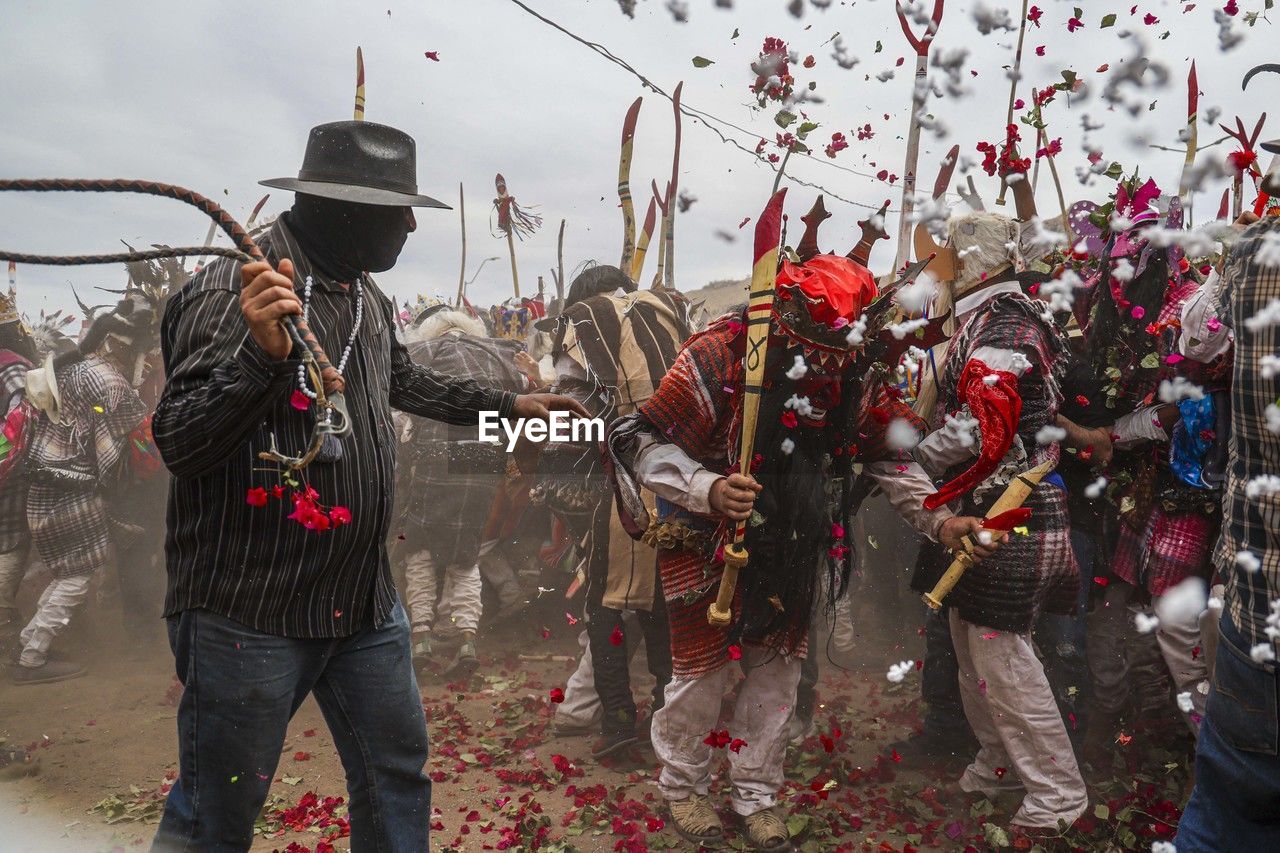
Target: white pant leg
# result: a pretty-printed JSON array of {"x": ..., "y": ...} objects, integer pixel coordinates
[
  {"x": 765, "y": 700},
  {"x": 1178, "y": 636},
  {"x": 460, "y": 600},
  {"x": 13, "y": 565},
  {"x": 981, "y": 775},
  {"x": 680, "y": 728},
  {"x": 53, "y": 613},
  {"x": 495, "y": 569},
  {"x": 420, "y": 590},
  {"x": 1022, "y": 709},
  {"x": 581, "y": 705}
]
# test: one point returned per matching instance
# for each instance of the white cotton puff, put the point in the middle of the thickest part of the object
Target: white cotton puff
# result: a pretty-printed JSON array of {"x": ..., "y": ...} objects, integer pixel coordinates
[
  {"x": 1262, "y": 486},
  {"x": 1248, "y": 561},
  {"x": 1094, "y": 490},
  {"x": 898, "y": 671},
  {"x": 856, "y": 332},
  {"x": 1268, "y": 316},
  {"x": 1183, "y": 604},
  {"x": 1272, "y": 414},
  {"x": 797, "y": 370},
  {"x": 1144, "y": 623},
  {"x": 1180, "y": 389},
  {"x": 914, "y": 298},
  {"x": 901, "y": 434},
  {"x": 906, "y": 327},
  {"x": 787, "y": 446},
  {"x": 962, "y": 426},
  {"x": 1122, "y": 270},
  {"x": 1184, "y": 702},
  {"x": 1019, "y": 364},
  {"x": 1048, "y": 434},
  {"x": 1214, "y": 603},
  {"x": 991, "y": 379},
  {"x": 1163, "y": 847},
  {"x": 1262, "y": 653},
  {"x": 801, "y": 405}
]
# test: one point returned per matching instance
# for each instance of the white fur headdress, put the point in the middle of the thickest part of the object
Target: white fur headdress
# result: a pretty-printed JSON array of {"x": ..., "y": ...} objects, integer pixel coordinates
[
  {"x": 442, "y": 322},
  {"x": 983, "y": 243}
]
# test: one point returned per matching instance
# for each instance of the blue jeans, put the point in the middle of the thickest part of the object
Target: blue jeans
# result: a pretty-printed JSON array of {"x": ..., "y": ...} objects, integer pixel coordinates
[
  {"x": 1236, "y": 801},
  {"x": 243, "y": 687}
]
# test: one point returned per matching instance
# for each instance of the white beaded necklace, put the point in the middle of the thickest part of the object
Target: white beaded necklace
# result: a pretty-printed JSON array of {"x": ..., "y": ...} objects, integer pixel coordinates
[{"x": 346, "y": 352}]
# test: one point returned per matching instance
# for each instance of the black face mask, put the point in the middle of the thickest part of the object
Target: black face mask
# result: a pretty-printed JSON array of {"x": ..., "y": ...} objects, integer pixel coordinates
[{"x": 345, "y": 239}]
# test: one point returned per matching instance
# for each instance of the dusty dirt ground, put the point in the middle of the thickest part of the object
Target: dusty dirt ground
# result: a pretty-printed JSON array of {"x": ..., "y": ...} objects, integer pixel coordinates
[{"x": 502, "y": 781}]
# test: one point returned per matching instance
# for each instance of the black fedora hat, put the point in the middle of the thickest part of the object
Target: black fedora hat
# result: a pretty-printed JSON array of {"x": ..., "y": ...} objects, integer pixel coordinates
[{"x": 362, "y": 162}]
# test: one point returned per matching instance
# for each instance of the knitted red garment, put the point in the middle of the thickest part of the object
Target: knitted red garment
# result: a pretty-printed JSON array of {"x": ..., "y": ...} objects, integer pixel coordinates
[{"x": 997, "y": 407}]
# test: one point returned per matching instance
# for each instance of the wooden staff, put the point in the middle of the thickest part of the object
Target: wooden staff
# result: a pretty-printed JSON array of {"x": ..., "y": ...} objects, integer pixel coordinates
[
  {"x": 359, "y": 112},
  {"x": 1057, "y": 182},
  {"x": 1193, "y": 102},
  {"x": 642, "y": 245},
  {"x": 921, "y": 46},
  {"x": 462, "y": 220},
  {"x": 503, "y": 199},
  {"x": 664, "y": 207},
  {"x": 1013, "y": 89},
  {"x": 1014, "y": 496},
  {"x": 669, "y": 222},
  {"x": 560, "y": 282},
  {"x": 624, "y": 184},
  {"x": 764, "y": 277}
]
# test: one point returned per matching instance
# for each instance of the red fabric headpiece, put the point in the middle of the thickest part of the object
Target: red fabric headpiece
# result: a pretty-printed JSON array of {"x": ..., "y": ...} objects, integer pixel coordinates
[
  {"x": 838, "y": 287},
  {"x": 997, "y": 407}
]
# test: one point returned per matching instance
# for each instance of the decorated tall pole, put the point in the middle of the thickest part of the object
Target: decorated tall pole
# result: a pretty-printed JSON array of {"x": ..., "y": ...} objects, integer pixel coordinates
[
  {"x": 513, "y": 221},
  {"x": 1193, "y": 105},
  {"x": 1014, "y": 75},
  {"x": 624, "y": 184},
  {"x": 664, "y": 208},
  {"x": 642, "y": 244},
  {"x": 764, "y": 278},
  {"x": 919, "y": 90},
  {"x": 669, "y": 227},
  {"x": 359, "y": 111},
  {"x": 462, "y": 269}
]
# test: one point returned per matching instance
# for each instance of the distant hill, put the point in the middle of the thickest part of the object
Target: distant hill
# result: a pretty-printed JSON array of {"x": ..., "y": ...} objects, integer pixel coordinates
[{"x": 719, "y": 296}]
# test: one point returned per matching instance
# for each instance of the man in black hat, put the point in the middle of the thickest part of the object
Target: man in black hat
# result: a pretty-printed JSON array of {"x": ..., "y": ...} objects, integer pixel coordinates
[{"x": 264, "y": 605}]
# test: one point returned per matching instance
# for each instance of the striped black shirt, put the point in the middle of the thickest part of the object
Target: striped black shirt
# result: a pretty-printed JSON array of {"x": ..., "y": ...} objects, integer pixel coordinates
[{"x": 223, "y": 401}]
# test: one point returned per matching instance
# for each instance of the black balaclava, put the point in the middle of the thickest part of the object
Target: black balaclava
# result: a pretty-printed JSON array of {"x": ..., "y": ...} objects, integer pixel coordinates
[{"x": 345, "y": 239}]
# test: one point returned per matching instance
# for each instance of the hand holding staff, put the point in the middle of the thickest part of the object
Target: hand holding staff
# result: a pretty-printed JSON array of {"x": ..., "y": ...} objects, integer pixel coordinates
[
  {"x": 1012, "y": 499},
  {"x": 764, "y": 278}
]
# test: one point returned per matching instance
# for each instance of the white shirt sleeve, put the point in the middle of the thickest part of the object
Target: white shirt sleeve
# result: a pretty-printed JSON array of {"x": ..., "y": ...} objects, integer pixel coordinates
[
  {"x": 665, "y": 469},
  {"x": 1136, "y": 427},
  {"x": 906, "y": 490},
  {"x": 998, "y": 358},
  {"x": 1204, "y": 336}
]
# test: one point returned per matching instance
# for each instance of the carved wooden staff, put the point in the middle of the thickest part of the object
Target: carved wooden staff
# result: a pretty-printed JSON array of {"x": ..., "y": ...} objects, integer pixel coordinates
[
  {"x": 665, "y": 208},
  {"x": 462, "y": 271},
  {"x": 1193, "y": 102},
  {"x": 359, "y": 112},
  {"x": 1013, "y": 498},
  {"x": 624, "y": 184},
  {"x": 764, "y": 278},
  {"x": 669, "y": 229},
  {"x": 1013, "y": 88},
  {"x": 642, "y": 245},
  {"x": 921, "y": 46}
]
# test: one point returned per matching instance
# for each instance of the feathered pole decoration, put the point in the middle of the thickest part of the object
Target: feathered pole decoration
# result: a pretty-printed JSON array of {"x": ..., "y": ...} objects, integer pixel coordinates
[
  {"x": 513, "y": 221},
  {"x": 642, "y": 245},
  {"x": 1014, "y": 74},
  {"x": 359, "y": 113},
  {"x": 624, "y": 184},
  {"x": 919, "y": 90},
  {"x": 1243, "y": 161},
  {"x": 764, "y": 278},
  {"x": 669, "y": 229},
  {"x": 1193, "y": 103}
]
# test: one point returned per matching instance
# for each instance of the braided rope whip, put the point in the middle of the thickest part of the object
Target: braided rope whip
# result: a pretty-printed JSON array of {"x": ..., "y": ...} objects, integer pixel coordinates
[{"x": 324, "y": 376}]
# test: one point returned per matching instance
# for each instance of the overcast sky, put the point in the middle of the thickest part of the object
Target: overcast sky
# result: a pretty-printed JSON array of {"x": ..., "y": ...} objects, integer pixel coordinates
[{"x": 218, "y": 95}]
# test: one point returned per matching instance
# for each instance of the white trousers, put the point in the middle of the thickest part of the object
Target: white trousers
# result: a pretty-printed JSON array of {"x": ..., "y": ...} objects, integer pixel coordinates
[
  {"x": 53, "y": 613},
  {"x": 13, "y": 565},
  {"x": 692, "y": 709},
  {"x": 459, "y": 599},
  {"x": 581, "y": 707},
  {"x": 497, "y": 572},
  {"x": 1012, "y": 711}
]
